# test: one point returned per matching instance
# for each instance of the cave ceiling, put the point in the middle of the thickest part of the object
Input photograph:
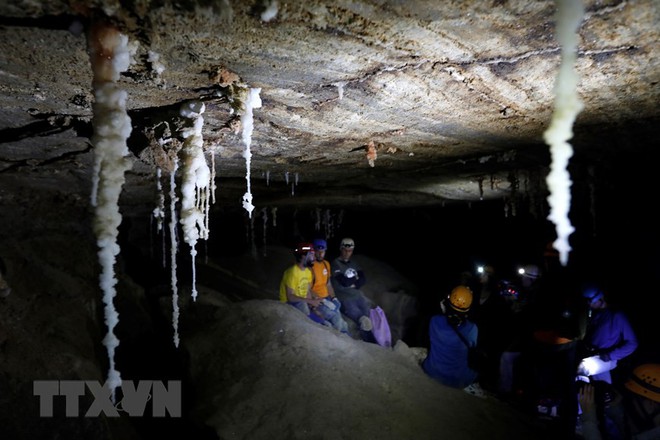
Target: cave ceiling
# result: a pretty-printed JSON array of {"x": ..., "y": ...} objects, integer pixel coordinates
[{"x": 450, "y": 98}]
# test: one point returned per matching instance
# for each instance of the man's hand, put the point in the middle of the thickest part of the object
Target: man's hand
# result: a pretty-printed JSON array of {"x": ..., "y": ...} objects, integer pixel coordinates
[{"x": 587, "y": 401}]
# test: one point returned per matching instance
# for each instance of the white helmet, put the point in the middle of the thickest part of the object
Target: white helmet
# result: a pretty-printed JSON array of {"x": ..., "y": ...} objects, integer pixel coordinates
[{"x": 529, "y": 271}]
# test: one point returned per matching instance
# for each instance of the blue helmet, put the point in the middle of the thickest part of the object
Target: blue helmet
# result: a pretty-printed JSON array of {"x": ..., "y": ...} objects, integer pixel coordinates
[
  {"x": 320, "y": 244},
  {"x": 592, "y": 294}
]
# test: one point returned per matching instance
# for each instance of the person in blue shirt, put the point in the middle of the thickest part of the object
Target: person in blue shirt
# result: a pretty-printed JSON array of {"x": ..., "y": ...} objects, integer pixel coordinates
[
  {"x": 608, "y": 339},
  {"x": 447, "y": 360}
]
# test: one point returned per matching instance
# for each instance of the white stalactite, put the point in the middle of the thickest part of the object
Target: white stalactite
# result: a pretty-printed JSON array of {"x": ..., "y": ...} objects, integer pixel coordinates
[
  {"x": 270, "y": 12},
  {"x": 196, "y": 183},
  {"x": 328, "y": 223},
  {"x": 253, "y": 101},
  {"x": 174, "y": 246},
  {"x": 159, "y": 211},
  {"x": 213, "y": 173},
  {"x": 109, "y": 55},
  {"x": 567, "y": 107}
]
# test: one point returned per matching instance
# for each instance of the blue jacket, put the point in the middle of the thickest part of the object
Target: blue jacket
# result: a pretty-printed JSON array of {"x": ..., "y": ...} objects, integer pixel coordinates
[
  {"x": 610, "y": 334},
  {"x": 447, "y": 358}
]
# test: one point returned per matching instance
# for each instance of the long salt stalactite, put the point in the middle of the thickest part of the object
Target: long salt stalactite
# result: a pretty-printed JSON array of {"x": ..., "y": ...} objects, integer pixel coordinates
[
  {"x": 196, "y": 183},
  {"x": 109, "y": 56},
  {"x": 173, "y": 252},
  {"x": 159, "y": 212},
  {"x": 567, "y": 107},
  {"x": 253, "y": 101}
]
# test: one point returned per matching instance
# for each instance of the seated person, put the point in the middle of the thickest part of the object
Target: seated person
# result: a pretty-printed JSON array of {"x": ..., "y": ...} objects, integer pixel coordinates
[
  {"x": 330, "y": 307},
  {"x": 447, "y": 360},
  {"x": 296, "y": 284},
  {"x": 347, "y": 279}
]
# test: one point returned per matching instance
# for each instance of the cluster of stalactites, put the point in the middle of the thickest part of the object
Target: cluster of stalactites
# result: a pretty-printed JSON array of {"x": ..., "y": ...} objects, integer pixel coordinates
[{"x": 195, "y": 181}]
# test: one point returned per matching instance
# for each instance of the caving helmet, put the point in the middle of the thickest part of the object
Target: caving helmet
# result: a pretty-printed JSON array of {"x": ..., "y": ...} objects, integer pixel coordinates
[
  {"x": 320, "y": 244},
  {"x": 460, "y": 299},
  {"x": 302, "y": 249},
  {"x": 645, "y": 381},
  {"x": 347, "y": 243},
  {"x": 592, "y": 294},
  {"x": 529, "y": 271}
]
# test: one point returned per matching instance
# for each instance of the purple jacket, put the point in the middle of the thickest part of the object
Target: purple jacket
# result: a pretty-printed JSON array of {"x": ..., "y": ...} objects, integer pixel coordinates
[{"x": 609, "y": 332}]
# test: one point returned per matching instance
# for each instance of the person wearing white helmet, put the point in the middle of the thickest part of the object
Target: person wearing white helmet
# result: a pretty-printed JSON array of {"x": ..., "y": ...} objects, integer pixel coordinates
[{"x": 347, "y": 279}]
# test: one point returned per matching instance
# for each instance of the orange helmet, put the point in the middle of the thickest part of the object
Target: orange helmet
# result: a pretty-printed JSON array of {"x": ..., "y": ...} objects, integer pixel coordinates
[
  {"x": 460, "y": 299},
  {"x": 645, "y": 381}
]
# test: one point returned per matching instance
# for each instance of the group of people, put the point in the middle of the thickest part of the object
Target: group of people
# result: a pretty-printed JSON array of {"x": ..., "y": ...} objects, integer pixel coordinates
[
  {"x": 542, "y": 344},
  {"x": 327, "y": 292},
  {"x": 551, "y": 347}
]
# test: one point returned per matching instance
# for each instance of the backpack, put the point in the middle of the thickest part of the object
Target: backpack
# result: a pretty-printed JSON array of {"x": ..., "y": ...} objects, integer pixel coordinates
[
  {"x": 381, "y": 328},
  {"x": 477, "y": 358}
]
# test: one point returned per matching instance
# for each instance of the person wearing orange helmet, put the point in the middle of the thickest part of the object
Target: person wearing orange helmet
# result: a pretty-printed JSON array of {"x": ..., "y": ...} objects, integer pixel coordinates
[
  {"x": 644, "y": 402},
  {"x": 447, "y": 360},
  {"x": 640, "y": 418}
]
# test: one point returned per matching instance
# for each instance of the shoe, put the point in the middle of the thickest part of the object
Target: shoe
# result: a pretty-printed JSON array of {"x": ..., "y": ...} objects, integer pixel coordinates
[
  {"x": 476, "y": 390},
  {"x": 578, "y": 429},
  {"x": 548, "y": 408},
  {"x": 365, "y": 324}
]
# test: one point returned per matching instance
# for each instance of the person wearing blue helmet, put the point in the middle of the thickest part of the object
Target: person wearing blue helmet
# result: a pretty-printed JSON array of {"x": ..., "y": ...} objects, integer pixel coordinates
[
  {"x": 330, "y": 307},
  {"x": 608, "y": 339}
]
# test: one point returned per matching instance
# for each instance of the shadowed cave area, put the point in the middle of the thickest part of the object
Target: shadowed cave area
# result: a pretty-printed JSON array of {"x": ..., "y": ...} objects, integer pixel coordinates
[
  {"x": 239, "y": 345},
  {"x": 416, "y": 128}
]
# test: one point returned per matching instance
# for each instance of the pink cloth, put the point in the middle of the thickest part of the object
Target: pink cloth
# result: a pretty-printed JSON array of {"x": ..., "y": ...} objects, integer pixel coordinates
[{"x": 381, "y": 328}]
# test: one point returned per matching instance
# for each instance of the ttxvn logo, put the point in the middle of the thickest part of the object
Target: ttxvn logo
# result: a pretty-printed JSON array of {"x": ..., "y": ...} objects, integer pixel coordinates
[{"x": 133, "y": 402}]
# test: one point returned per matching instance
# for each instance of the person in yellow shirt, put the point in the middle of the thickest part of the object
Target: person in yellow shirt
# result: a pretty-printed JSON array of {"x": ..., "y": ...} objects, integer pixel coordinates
[{"x": 296, "y": 284}]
